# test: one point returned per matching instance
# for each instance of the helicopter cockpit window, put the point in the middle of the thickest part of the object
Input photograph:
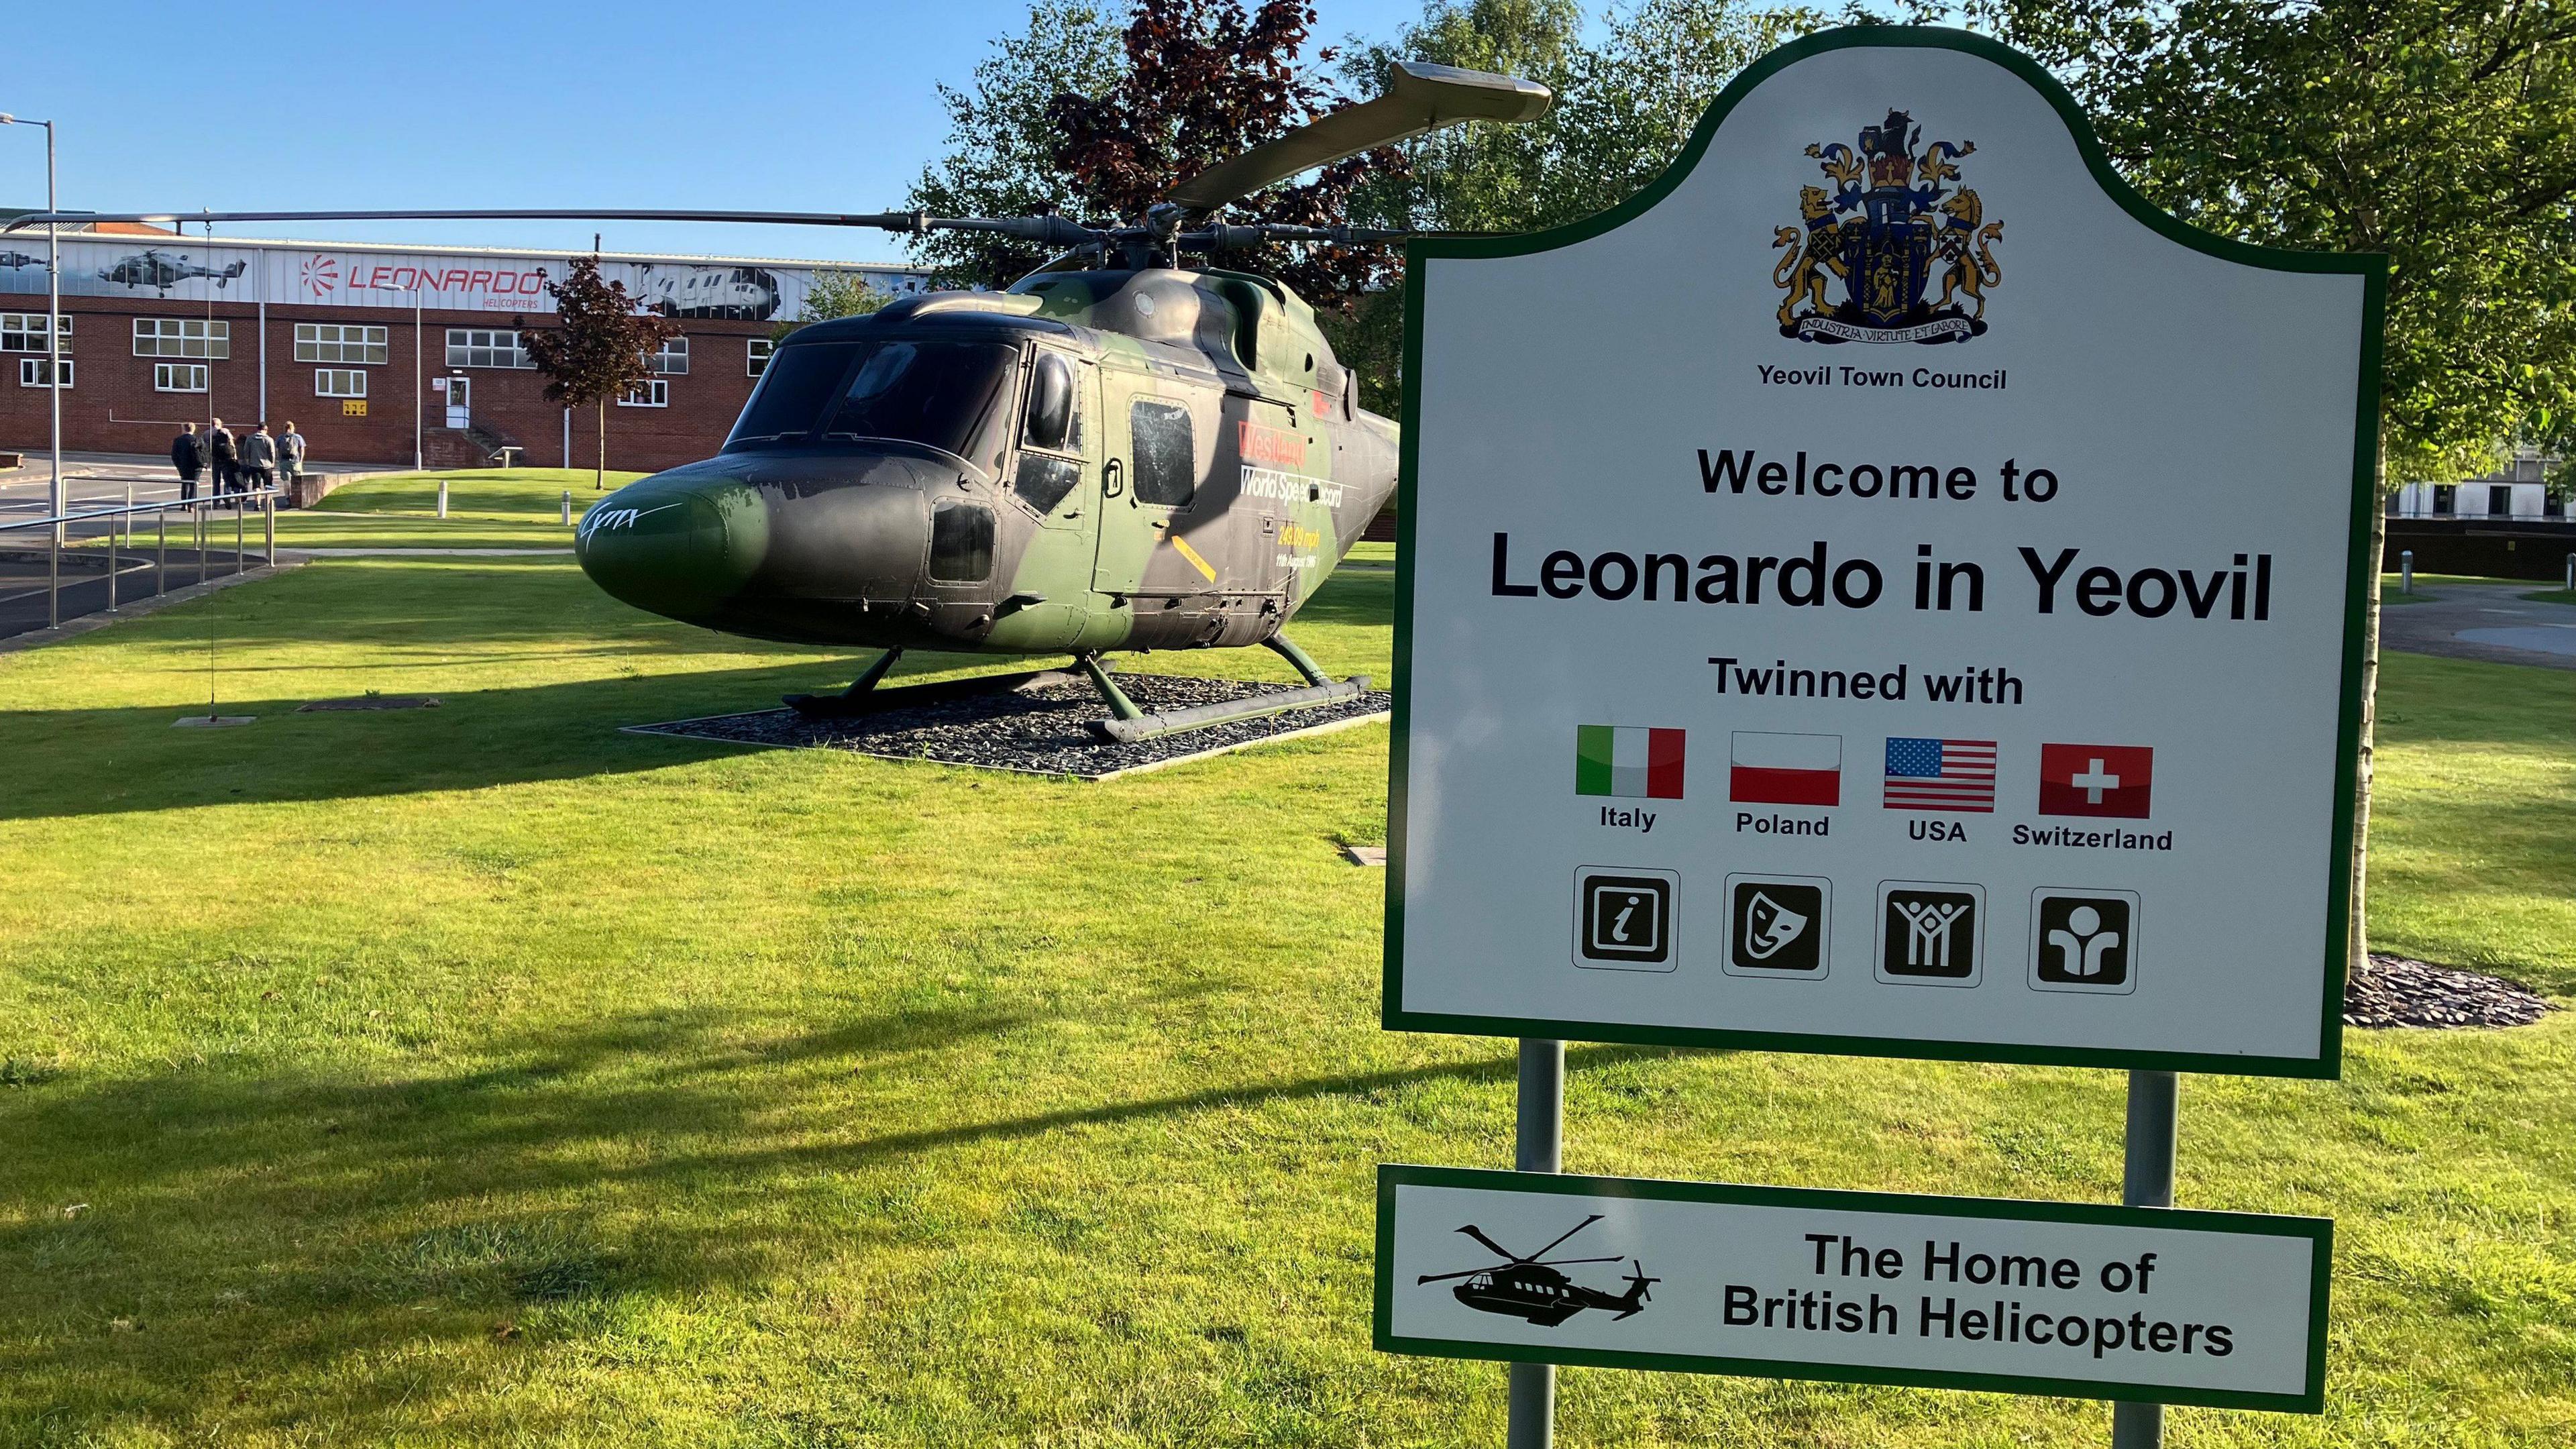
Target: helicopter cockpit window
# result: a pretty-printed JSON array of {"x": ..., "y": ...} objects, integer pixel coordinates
[
  {"x": 1166, "y": 453},
  {"x": 939, "y": 393}
]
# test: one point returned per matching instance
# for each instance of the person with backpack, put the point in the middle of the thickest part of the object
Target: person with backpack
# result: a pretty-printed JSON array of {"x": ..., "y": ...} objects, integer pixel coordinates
[
  {"x": 290, "y": 459},
  {"x": 188, "y": 455},
  {"x": 223, "y": 458}
]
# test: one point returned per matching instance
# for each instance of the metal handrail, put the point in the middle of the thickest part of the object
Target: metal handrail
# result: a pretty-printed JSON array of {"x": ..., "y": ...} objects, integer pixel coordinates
[
  {"x": 201, "y": 509},
  {"x": 218, "y": 500}
]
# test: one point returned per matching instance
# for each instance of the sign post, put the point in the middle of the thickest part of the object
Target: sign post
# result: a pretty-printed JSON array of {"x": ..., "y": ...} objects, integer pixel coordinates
[{"x": 1885, "y": 589}]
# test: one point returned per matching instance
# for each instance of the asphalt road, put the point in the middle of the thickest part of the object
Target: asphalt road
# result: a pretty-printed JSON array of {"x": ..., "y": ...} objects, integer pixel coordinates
[{"x": 2491, "y": 622}]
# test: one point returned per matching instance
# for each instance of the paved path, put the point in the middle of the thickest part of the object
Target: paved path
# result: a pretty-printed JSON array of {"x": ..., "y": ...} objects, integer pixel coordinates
[
  {"x": 428, "y": 552},
  {"x": 2490, "y": 622}
]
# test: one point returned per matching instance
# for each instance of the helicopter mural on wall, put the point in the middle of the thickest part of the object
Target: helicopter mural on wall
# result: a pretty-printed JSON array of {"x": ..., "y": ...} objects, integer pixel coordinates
[
  {"x": 1531, "y": 1288},
  {"x": 1119, "y": 451},
  {"x": 161, "y": 271}
]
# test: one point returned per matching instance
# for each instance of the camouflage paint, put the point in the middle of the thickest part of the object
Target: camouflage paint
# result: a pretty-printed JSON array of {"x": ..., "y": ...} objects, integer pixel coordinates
[{"x": 832, "y": 544}]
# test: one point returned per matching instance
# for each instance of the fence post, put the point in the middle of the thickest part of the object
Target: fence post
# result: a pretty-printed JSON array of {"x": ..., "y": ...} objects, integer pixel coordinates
[
  {"x": 2406, "y": 571},
  {"x": 567, "y": 518},
  {"x": 442, "y": 498}
]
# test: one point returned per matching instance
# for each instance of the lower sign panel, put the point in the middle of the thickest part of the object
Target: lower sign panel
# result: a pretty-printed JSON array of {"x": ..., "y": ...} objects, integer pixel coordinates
[{"x": 2167, "y": 1306}]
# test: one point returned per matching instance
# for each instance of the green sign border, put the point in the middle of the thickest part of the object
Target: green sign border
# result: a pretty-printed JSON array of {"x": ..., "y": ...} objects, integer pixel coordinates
[
  {"x": 2362, "y": 573},
  {"x": 2318, "y": 1231}
]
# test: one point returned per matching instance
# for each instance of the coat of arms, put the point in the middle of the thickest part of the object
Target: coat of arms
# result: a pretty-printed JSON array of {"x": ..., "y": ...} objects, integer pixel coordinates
[{"x": 1891, "y": 227}]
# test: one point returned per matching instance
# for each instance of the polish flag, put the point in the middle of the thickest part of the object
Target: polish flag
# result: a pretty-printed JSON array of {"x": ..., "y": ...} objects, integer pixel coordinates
[{"x": 1776, "y": 769}]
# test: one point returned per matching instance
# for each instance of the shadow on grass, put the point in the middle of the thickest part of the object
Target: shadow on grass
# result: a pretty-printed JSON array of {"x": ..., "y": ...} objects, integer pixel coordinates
[{"x": 325, "y": 1249}]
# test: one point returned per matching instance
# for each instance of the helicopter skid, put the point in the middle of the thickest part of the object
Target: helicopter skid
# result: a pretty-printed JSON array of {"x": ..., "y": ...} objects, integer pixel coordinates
[
  {"x": 876, "y": 701},
  {"x": 1154, "y": 726}
]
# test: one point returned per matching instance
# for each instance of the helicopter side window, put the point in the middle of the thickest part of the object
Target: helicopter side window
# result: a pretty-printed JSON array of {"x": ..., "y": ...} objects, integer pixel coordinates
[
  {"x": 1166, "y": 453},
  {"x": 961, "y": 543}
]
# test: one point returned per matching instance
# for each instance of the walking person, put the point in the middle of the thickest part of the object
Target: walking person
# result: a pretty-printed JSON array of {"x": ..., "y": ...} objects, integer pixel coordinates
[
  {"x": 188, "y": 455},
  {"x": 258, "y": 460},
  {"x": 290, "y": 459},
  {"x": 223, "y": 458}
]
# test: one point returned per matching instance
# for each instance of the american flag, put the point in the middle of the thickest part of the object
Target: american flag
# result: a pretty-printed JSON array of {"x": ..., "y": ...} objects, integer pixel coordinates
[{"x": 1940, "y": 775}]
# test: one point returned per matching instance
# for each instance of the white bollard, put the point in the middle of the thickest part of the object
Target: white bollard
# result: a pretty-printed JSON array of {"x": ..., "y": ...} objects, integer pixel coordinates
[
  {"x": 2406, "y": 572},
  {"x": 2571, "y": 573},
  {"x": 442, "y": 498},
  {"x": 568, "y": 512}
]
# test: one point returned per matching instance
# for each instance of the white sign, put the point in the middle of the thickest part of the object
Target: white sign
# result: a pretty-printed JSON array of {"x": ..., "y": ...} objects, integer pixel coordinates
[
  {"x": 2158, "y": 1305},
  {"x": 1885, "y": 589}
]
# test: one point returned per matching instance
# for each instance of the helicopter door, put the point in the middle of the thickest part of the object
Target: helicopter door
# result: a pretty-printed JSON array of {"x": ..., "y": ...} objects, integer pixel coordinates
[{"x": 1149, "y": 474}]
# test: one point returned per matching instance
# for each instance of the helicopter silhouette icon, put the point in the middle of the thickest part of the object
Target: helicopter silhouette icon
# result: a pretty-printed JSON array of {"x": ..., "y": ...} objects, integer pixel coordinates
[{"x": 1531, "y": 1287}]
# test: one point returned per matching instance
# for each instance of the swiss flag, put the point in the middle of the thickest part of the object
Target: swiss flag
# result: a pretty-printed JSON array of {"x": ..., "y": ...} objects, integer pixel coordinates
[{"x": 2108, "y": 780}]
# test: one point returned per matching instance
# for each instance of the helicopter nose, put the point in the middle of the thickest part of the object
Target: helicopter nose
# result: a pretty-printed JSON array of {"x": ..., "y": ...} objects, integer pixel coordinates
[{"x": 676, "y": 546}]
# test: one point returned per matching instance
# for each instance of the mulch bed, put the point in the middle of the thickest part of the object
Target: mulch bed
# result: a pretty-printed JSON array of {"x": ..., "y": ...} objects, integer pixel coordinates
[
  {"x": 1041, "y": 728},
  {"x": 2394, "y": 991}
]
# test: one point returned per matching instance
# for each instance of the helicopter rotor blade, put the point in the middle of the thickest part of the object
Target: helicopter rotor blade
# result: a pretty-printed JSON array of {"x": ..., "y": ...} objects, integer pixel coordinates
[
  {"x": 1462, "y": 1273},
  {"x": 1419, "y": 97},
  {"x": 1053, "y": 231},
  {"x": 1561, "y": 1262},
  {"x": 1561, "y": 1237},
  {"x": 902, "y": 221},
  {"x": 1473, "y": 1231}
]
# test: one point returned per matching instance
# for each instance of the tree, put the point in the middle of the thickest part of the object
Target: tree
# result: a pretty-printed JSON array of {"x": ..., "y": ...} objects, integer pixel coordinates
[
  {"x": 2441, "y": 134},
  {"x": 1000, "y": 159},
  {"x": 602, "y": 346},
  {"x": 832, "y": 294},
  {"x": 1625, "y": 106},
  {"x": 1204, "y": 81}
]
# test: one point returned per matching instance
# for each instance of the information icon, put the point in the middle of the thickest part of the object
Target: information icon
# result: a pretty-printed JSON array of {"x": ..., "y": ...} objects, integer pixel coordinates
[
  {"x": 1931, "y": 933},
  {"x": 1623, "y": 918},
  {"x": 2084, "y": 940},
  {"x": 1777, "y": 925}
]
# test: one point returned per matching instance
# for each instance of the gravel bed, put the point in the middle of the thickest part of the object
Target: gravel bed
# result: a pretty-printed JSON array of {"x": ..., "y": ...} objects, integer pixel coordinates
[
  {"x": 1041, "y": 728},
  {"x": 2395, "y": 991}
]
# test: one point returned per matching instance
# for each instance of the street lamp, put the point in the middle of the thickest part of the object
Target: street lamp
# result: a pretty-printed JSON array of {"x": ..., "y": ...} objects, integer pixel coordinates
[{"x": 53, "y": 317}]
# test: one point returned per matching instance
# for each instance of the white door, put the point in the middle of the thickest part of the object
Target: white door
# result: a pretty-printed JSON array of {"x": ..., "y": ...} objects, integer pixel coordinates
[{"x": 460, "y": 402}]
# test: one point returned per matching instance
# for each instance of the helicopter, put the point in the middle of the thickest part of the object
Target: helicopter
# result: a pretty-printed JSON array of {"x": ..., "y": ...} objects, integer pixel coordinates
[
  {"x": 1530, "y": 1288},
  {"x": 161, "y": 272},
  {"x": 14, "y": 260},
  {"x": 1118, "y": 451}
]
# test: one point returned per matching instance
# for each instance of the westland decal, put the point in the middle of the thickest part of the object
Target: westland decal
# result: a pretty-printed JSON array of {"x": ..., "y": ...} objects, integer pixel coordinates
[{"x": 1890, "y": 228}]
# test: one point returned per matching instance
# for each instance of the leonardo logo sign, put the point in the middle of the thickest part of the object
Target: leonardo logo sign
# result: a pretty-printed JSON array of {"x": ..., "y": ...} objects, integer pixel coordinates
[{"x": 1892, "y": 226}]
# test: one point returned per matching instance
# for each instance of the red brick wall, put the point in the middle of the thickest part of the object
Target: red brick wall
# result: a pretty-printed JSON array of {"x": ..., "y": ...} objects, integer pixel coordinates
[{"x": 112, "y": 406}]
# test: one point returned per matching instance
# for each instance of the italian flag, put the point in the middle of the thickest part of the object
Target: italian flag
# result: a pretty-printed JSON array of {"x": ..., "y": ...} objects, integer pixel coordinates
[{"x": 1621, "y": 760}]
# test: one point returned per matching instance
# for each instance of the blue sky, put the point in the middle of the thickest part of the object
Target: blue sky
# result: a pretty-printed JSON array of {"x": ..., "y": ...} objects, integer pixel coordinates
[{"x": 777, "y": 106}]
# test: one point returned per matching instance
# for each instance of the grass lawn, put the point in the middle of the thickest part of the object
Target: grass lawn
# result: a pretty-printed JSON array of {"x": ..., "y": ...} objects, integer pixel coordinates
[
  {"x": 486, "y": 508},
  {"x": 2388, "y": 585},
  {"x": 483, "y": 1075}
]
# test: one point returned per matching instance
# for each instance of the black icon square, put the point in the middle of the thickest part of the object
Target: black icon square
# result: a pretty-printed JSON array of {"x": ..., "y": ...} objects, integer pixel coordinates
[
  {"x": 1623, "y": 918},
  {"x": 1931, "y": 933},
  {"x": 1778, "y": 925},
  {"x": 2084, "y": 940}
]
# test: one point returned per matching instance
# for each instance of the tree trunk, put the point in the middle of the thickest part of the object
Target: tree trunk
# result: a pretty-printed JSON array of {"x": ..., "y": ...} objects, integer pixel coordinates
[
  {"x": 599, "y": 465},
  {"x": 2360, "y": 932}
]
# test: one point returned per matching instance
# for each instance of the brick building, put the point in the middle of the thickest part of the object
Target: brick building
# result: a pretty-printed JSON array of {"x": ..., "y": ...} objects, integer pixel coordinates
[{"x": 360, "y": 345}]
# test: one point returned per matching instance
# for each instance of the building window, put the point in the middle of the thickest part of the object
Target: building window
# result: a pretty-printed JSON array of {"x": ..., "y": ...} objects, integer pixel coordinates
[
  {"x": 25, "y": 332},
  {"x": 182, "y": 337},
  {"x": 31, "y": 372},
  {"x": 477, "y": 347},
  {"x": 178, "y": 377},
  {"x": 339, "y": 382},
  {"x": 755, "y": 355},
  {"x": 653, "y": 394},
  {"x": 673, "y": 358},
  {"x": 340, "y": 342}
]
